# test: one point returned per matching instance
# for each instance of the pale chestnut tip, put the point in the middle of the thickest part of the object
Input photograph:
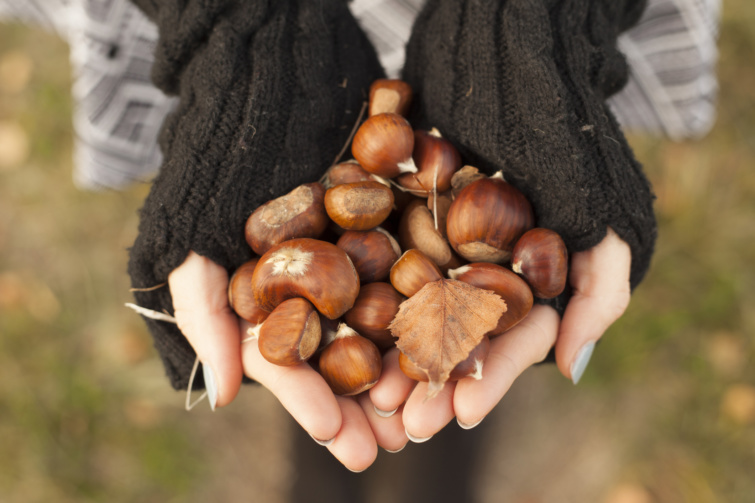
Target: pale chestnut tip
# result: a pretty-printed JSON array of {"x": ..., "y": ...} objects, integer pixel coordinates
[
  {"x": 407, "y": 166},
  {"x": 455, "y": 273},
  {"x": 435, "y": 133}
]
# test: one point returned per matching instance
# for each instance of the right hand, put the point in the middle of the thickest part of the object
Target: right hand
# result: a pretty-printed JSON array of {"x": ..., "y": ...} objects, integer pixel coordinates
[{"x": 349, "y": 427}]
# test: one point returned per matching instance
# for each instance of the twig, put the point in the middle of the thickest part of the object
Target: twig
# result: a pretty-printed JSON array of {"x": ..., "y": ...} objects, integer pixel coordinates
[
  {"x": 154, "y": 315},
  {"x": 188, "y": 404},
  {"x": 351, "y": 135},
  {"x": 148, "y": 289}
]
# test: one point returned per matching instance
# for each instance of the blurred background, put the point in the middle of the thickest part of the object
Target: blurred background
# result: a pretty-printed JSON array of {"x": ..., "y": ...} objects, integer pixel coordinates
[{"x": 664, "y": 413}]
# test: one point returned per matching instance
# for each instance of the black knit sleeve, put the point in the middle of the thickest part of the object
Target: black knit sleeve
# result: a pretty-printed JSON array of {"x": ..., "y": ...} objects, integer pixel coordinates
[
  {"x": 269, "y": 91},
  {"x": 521, "y": 86}
]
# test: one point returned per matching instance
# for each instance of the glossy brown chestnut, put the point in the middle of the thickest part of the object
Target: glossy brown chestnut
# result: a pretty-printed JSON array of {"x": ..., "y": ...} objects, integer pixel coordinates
[
  {"x": 486, "y": 219},
  {"x": 540, "y": 256},
  {"x": 359, "y": 206},
  {"x": 390, "y": 96},
  {"x": 498, "y": 279},
  {"x": 291, "y": 334},
  {"x": 298, "y": 214},
  {"x": 412, "y": 271},
  {"x": 345, "y": 172},
  {"x": 417, "y": 230},
  {"x": 350, "y": 364},
  {"x": 241, "y": 296},
  {"x": 373, "y": 253},
  {"x": 374, "y": 309},
  {"x": 463, "y": 177},
  {"x": 316, "y": 270},
  {"x": 436, "y": 159},
  {"x": 383, "y": 145}
]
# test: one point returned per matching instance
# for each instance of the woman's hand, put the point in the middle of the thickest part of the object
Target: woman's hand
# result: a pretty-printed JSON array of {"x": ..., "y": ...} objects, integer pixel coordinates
[
  {"x": 349, "y": 427},
  {"x": 600, "y": 279}
]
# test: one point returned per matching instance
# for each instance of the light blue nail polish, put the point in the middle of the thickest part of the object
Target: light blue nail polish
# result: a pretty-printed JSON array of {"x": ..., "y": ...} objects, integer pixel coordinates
[
  {"x": 323, "y": 443},
  {"x": 469, "y": 426},
  {"x": 211, "y": 385},
  {"x": 417, "y": 440},
  {"x": 580, "y": 362},
  {"x": 383, "y": 413}
]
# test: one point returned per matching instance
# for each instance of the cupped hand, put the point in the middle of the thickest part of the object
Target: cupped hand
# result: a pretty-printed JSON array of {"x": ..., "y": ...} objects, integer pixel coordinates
[
  {"x": 600, "y": 281},
  {"x": 349, "y": 427}
]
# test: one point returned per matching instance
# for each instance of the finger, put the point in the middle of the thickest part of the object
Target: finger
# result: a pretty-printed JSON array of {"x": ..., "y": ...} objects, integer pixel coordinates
[
  {"x": 510, "y": 354},
  {"x": 424, "y": 417},
  {"x": 389, "y": 431},
  {"x": 354, "y": 446},
  {"x": 600, "y": 278},
  {"x": 200, "y": 302},
  {"x": 300, "y": 389},
  {"x": 394, "y": 386}
]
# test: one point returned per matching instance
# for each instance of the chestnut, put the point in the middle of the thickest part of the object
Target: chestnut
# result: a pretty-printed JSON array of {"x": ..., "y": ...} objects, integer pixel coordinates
[
  {"x": 298, "y": 214},
  {"x": 383, "y": 145},
  {"x": 291, "y": 334},
  {"x": 316, "y": 270},
  {"x": 463, "y": 177},
  {"x": 436, "y": 160},
  {"x": 373, "y": 253},
  {"x": 498, "y": 279},
  {"x": 540, "y": 256},
  {"x": 359, "y": 206},
  {"x": 345, "y": 172},
  {"x": 374, "y": 309},
  {"x": 241, "y": 296},
  {"x": 417, "y": 230},
  {"x": 350, "y": 364},
  {"x": 390, "y": 96},
  {"x": 412, "y": 271},
  {"x": 487, "y": 218}
]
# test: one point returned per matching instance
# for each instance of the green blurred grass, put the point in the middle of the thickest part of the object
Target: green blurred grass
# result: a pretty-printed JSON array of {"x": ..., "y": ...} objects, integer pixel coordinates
[{"x": 86, "y": 414}]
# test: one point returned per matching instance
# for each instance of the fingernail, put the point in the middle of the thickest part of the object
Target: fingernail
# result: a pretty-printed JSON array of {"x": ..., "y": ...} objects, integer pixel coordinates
[
  {"x": 397, "y": 450},
  {"x": 210, "y": 385},
  {"x": 383, "y": 413},
  {"x": 469, "y": 426},
  {"x": 580, "y": 362},
  {"x": 417, "y": 440},
  {"x": 356, "y": 471},
  {"x": 323, "y": 443}
]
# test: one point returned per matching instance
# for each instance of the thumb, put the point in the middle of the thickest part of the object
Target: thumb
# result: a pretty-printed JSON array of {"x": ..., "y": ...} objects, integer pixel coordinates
[
  {"x": 600, "y": 277},
  {"x": 200, "y": 302}
]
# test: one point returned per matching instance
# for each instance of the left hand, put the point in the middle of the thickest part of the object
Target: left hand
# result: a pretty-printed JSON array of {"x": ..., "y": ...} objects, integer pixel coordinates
[{"x": 600, "y": 280}]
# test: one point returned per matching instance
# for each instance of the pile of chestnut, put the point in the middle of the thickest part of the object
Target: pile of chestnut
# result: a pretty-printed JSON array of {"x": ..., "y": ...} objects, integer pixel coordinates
[{"x": 330, "y": 274}]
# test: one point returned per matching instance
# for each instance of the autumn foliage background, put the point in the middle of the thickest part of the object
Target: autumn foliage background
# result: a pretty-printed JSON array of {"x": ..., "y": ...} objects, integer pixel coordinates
[{"x": 664, "y": 413}]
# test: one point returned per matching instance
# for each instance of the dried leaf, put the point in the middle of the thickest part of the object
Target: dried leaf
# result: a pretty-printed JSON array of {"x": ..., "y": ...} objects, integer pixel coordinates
[{"x": 439, "y": 326}]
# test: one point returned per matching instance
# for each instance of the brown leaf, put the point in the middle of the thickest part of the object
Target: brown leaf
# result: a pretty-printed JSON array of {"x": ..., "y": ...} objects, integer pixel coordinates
[{"x": 439, "y": 326}]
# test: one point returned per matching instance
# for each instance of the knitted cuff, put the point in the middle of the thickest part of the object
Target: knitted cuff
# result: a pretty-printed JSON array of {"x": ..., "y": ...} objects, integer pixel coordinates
[
  {"x": 268, "y": 94},
  {"x": 520, "y": 86}
]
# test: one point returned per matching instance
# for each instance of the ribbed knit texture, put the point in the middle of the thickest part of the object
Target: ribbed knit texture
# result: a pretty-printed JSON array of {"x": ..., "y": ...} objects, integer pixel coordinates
[
  {"x": 269, "y": 91},
  {"x": 520, "y": 86}
]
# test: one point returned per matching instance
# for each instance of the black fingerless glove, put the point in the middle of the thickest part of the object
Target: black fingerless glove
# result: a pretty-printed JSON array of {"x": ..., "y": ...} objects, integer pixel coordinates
[
  {"x": 269, "y": 91},
  {"x": 521, "y": 86}
]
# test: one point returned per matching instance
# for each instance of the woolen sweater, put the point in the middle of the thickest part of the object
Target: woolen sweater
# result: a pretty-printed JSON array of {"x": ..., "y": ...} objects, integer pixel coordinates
[{"x": 269, "y": 91}]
